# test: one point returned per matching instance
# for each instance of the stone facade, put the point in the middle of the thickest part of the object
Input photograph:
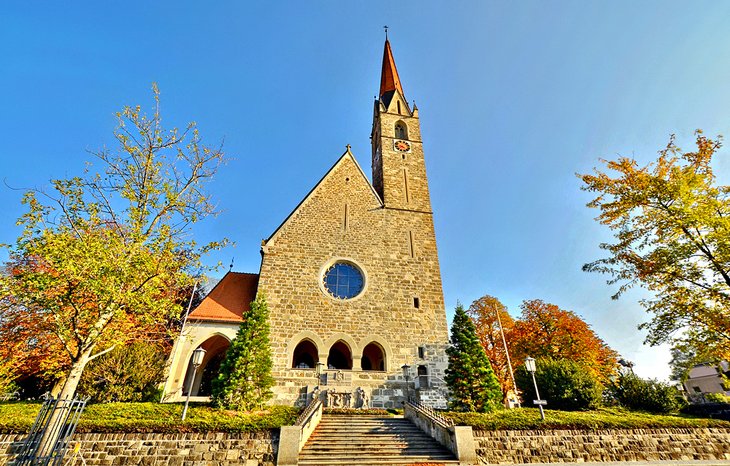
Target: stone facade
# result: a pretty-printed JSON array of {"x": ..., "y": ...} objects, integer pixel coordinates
[
  {"x": 386, "y": 231},
  {"x": 577, "y": 446}
]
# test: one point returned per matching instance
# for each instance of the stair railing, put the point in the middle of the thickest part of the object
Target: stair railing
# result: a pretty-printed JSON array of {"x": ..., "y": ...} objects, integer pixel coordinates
[
  {"x": 306, "y": 416},
  {"x": 293, "y": 438},
  {"x": 431, "y": 414}
]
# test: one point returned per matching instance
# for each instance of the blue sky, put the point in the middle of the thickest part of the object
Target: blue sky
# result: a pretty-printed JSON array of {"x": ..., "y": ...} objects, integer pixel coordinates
[{"x": 514, "y": 98}]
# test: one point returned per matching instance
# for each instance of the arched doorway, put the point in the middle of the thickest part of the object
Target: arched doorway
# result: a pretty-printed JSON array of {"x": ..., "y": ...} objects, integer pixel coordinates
[
  {"x": 305, "y": 356},
  {"x": 373, "y": 358},
  {"x": 340, "y": 356},
  {"x": 215, "y": 350}
]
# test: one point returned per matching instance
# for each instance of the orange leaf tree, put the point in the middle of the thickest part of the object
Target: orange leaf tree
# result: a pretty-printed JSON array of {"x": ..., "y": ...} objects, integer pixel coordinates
[
  {"x": 546, "y": 331},
  {"x": 487, "y": 313}
]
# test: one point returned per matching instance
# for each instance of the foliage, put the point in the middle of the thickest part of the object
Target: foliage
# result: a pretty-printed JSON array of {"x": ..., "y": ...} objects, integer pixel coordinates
[
  {"x": 244, "y": 381},
  {"x": 685, "y": 356},
  {"x": 717, "y": 398},
  {"x": 487, "y": 313},
  {"x": 102, "y": 257},
  {"x": 128, "y": 373},
  {"x": 603, "y": 418},
  {"x": 154, "y": 417},
  {"x": 565, "y": 384},
  {"x": 469, "y": 376},
  {"x": 633, "y": 392},
  {"x": 546, "y": 331},
  {"x": 672, "y": 228}
]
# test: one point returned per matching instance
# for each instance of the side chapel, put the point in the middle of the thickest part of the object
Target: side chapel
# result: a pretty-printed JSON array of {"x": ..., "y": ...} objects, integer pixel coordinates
[{"x": 351, "y": 278}]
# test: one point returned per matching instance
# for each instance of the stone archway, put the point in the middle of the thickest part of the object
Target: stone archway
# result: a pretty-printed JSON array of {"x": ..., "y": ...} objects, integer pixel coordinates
[
  {"x": 306, "y": 355},
  {"x": 215, "y": 350},
  {"x": 340, "y": 356},
  {"x": 373, "y": 357}
]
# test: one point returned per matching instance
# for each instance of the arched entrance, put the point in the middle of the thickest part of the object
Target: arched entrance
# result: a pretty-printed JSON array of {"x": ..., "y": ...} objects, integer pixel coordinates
[
  {"x": 215, "y": 350},
  {"x": 373, "y": 357},
  {"x": 305, "y": 356},
  {"x": 340, "y": 356}
]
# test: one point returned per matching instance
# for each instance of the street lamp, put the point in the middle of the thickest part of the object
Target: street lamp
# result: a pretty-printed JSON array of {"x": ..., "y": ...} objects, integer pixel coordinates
[
  {"x": 318, "y": 372},
  {"x": 197, "y": 360},
  {"x": 407, "y": 376},
  {"x": 530, "y": 366}
]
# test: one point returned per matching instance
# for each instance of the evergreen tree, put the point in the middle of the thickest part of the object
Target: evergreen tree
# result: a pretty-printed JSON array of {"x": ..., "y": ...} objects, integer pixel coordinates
[
  {"x": 474, "y": 387},
  {"x": 245, "y": 380}
]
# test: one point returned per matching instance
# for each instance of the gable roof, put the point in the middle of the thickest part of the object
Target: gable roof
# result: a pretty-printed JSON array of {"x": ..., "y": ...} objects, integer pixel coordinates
[
  {"x": 346, "y": 155},
  {"x": 228, "y": 299}
]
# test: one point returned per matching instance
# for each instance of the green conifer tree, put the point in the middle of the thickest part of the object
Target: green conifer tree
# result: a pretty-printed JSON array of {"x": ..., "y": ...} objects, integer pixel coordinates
[
  {"x": 244, "y": 381},
  {"x": 474, "y": 387}
]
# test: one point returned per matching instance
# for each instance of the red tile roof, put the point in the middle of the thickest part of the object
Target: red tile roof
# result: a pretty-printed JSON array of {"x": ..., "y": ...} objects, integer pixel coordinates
[{"x": 229, "y": 299}]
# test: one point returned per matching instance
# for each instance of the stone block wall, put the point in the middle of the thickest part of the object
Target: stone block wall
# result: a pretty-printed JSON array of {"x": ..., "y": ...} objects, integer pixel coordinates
[
  {"x": 575, "y": 446},
  {"x": 189, "y": 449}
]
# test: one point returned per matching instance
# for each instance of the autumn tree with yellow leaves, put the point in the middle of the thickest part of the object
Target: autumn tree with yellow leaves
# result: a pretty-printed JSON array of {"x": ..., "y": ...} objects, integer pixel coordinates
[{"x": 671, "y": 223}]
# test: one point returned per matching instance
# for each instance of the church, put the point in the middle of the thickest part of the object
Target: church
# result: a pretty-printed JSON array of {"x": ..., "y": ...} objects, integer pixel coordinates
[{"x": 352, "y": 282}]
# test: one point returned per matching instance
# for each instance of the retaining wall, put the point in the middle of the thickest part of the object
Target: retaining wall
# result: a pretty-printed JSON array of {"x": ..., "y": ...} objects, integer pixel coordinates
[
  {"x": 492, "y": 447},
  {"x": 558, "y": 446},
  {"x": 189, "y": 449}
]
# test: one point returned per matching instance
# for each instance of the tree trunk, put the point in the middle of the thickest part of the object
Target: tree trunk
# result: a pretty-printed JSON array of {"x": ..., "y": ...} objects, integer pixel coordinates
[{"x": 55, "y": 427}]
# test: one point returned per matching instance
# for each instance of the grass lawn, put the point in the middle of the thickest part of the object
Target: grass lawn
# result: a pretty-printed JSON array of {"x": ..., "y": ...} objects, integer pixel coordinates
[{"x": 17, "y": 417}]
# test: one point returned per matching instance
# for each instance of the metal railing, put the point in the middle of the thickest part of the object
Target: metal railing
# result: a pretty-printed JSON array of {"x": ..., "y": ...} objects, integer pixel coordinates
[
  {"x": 49, "y": 437},
  {"x": 432, "y": 414}
]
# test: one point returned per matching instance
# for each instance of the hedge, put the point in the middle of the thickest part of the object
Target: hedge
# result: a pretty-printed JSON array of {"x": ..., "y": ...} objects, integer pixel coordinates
[{"x": 602, "y": 418}]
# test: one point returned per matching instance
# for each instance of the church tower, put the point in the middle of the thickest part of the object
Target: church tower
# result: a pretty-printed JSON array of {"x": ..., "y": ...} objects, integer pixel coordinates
[{"x": 399, "y": 170}]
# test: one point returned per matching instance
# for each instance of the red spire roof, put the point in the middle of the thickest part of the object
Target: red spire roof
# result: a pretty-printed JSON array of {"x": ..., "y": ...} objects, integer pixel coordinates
[{"x": 389, "y": 80}]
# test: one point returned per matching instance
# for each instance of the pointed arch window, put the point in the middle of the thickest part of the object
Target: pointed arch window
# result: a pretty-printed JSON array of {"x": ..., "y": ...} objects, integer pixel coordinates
[{"x": 401, "y": 130}]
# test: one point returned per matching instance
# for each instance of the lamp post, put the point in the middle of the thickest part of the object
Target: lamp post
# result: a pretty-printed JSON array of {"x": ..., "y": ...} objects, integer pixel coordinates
[
  {"x": 318, "y": 372},
  {"x": 198, "y": 356},
  {"x": 407, "y": 376},
  {"x": 530, "y": 366}
]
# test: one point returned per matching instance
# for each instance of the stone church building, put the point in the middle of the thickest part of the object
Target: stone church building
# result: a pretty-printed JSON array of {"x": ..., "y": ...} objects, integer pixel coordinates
[{"x": 351, "y": 278}]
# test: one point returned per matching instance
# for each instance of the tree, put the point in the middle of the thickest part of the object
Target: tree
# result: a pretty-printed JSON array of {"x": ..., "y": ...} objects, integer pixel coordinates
[
  {"x": 102, "y": 257},
  {"x": 546, "y": 331},
  {"x": 128, "y": 373},
  {"x": 487, "y": 313},
  {"x": 473, "y": 385},
  {"x": 633, "y": 392},
  {"x": 244, "y": 381},
  {"x": 565, "y": 384},
  {"x": 672, "y": 229}
]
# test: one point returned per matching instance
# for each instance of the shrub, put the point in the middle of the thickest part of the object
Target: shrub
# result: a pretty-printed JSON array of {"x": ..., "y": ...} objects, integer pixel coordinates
[
  {"x": 128, "y": 373},
  {"x": 564, "y": 384},
  {"x": 633, "y": 392},
  {"x": 717, "y": 398}
]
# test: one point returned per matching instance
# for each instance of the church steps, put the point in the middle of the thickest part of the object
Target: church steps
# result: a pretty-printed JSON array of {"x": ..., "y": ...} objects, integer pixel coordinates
[{"x": 370, "y": 440}]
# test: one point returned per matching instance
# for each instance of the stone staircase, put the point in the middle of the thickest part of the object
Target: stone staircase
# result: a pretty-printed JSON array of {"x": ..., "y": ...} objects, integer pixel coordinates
[{"x": 371, "y": 440}]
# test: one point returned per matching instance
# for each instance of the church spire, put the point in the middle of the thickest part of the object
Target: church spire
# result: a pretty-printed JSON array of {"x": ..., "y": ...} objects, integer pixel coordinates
[{"x": 389, "y": 80}]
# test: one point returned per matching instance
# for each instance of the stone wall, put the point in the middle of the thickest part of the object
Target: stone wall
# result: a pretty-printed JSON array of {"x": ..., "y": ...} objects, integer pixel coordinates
[
  {"x": 190, "y": 449},
  {"x": 572, "y": 446}
]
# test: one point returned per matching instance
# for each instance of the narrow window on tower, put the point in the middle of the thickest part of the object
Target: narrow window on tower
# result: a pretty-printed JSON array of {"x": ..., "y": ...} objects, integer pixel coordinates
[
  {"x": 411, "y": 250},
  {"x": 398, "y": 102},
  {"x": 345, "y": 217},
  {"x": 405, "y": 186},
  {"x": 421, "y": 352},
  {"x": 417, "y": 302}
]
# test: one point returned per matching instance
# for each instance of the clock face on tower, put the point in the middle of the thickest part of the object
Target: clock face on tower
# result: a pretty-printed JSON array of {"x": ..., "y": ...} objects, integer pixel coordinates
[{"x": 402, "y": 146}]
